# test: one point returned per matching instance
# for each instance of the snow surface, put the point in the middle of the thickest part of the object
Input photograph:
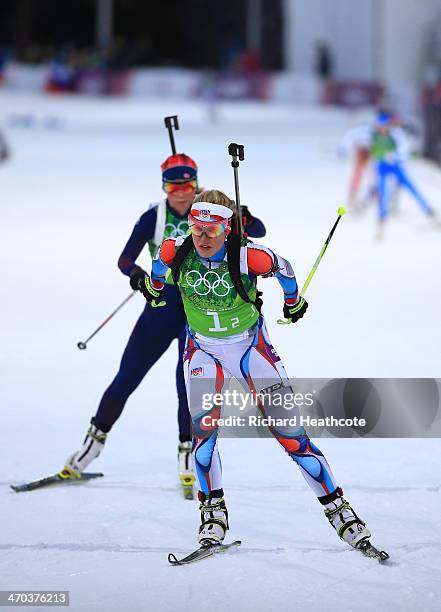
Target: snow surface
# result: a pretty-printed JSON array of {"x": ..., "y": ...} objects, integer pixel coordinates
[{"x": 79, "y": 178}]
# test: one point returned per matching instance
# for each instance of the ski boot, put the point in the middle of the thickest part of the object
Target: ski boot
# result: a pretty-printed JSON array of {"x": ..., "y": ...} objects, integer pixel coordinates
[
  {"x": 342, "y": 517},
  {"x": 185, "y": 469},
  {"x": 92, "y": 446},
  {"x": 349, "y": 527},
  {"x": 214, "y": 518}
]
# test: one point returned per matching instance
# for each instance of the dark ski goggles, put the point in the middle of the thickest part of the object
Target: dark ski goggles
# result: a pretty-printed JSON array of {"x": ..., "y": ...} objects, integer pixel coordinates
[{"x": 186, "y": 187}]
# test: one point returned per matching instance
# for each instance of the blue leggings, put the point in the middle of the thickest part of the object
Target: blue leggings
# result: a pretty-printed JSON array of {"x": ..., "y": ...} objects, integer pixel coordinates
[
  {"x": 150, "y": 338},
  {"x": 384, "y": 170}
]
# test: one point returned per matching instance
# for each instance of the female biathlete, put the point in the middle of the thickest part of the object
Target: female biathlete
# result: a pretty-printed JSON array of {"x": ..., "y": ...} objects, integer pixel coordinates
[{"x": 226, "y": 337}]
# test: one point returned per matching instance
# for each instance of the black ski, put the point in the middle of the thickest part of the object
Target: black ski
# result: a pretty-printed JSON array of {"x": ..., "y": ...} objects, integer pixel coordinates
[
  {"x": 202, "y": 553},
  {"x": 368, "y": 550},
  {"x": 63, "y": 476}
]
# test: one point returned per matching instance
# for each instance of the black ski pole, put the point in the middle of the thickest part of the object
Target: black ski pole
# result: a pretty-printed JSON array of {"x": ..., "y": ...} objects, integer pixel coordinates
[
  {"x": 237, "y": 153},
  {"x": 83, "y": 345},
  {"x": 170, "y": 123}
]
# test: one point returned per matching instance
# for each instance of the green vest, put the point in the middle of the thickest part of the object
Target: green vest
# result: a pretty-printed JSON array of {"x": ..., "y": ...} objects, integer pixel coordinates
[
  {"x": 382, "y": 144},
  {"x": 167, "y": 226},
  {"x": 212, "y": 304}
]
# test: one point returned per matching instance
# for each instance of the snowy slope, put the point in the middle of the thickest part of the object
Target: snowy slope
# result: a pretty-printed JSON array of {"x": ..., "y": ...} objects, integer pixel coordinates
[{"x": 69, "y": 199}]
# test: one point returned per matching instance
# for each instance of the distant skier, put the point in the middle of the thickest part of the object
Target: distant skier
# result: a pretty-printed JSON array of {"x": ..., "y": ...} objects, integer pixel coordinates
[
  {"x": 385, "y": 144},
  {"x": 227, "y": 337},
  {"x": 389, "y": 150},
  {"x": 156, "y": 328},
  {"x": 358, "y": 141}
]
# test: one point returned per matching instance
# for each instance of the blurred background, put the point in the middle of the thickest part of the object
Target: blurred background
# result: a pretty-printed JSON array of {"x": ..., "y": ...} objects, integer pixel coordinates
[{"x": 353, "y": 53}]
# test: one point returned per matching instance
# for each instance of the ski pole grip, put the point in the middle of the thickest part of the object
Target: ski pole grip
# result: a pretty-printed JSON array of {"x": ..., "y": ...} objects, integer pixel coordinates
[
  {"x": 236, "y": 151},
  {"x": 171, "y": 122}
]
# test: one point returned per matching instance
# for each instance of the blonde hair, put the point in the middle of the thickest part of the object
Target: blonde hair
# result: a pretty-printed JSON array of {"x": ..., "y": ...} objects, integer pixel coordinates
[{"x": 214, "y": 196}]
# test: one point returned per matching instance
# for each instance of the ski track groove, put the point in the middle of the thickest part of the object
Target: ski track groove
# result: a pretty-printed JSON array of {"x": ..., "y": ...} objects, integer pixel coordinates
[
  {"x": 244, "y": 549},
  {"x": 232, "y": 487}
]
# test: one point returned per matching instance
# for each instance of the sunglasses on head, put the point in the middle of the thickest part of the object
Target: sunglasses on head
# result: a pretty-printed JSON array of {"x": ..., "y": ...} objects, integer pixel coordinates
[{"x": 186, "y": 187}]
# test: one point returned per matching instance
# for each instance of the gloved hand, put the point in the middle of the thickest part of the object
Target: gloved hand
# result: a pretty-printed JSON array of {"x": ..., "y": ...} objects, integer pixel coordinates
[
  {"x": 247, "y": 217},
  {"x": 140, "y": 281},
  {"x": 294, "y": 312},
  {"x": 137, "y": 276}
]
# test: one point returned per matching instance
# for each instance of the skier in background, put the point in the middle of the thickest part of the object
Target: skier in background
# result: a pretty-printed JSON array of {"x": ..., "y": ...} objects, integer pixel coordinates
[
  {"x": 385, "y": 144},
  {"x": 156, "y": 328},
  {"x": 227, "y": 337},
  {"x": 358, "y": 140},
  {"x": 389, "y": 150}
]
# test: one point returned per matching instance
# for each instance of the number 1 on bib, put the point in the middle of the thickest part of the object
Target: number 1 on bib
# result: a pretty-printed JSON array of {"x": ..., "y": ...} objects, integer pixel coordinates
[{"x": 217, "y": 327}]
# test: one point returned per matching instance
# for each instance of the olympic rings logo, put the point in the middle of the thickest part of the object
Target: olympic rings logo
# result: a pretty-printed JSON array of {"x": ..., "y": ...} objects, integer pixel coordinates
[
  {"x": 176, "y": 231},
  {"x": 210, "y": 281}
]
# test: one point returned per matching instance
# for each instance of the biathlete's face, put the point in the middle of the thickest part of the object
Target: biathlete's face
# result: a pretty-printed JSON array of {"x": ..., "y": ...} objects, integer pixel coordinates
[
  {"x": 208, "y": 239},
  {"x": 181, "y": 195},
  {"x": 207, "y": 247}
]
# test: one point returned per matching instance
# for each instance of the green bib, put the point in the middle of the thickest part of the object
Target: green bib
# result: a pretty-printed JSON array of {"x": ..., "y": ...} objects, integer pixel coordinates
[
  {"x": 212, "y": 304},
  {"x": 173, "y": 228},
  {"x": 382, "y": 144}
]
